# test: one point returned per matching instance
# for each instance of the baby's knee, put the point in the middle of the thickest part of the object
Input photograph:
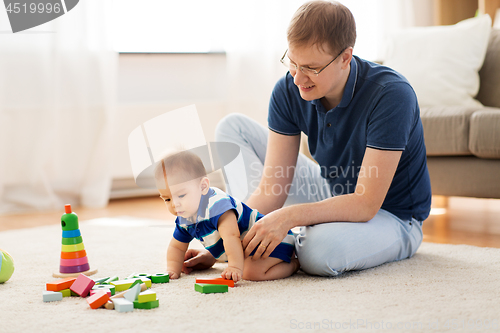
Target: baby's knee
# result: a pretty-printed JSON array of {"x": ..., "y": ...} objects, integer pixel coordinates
[{"x": 253, "y": 271}]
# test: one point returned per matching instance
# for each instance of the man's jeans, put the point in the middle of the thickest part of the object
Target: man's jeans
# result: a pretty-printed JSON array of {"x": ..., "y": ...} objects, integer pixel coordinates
[{"x": 326, "y": 249}]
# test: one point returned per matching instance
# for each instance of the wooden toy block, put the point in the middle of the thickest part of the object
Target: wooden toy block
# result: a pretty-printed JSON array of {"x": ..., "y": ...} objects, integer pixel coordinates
[
  {"x": 72, "y": 240},
  {"x": 146, "y": 296},
  {"x": 109, "y": 287},
  {"x": 229, "y": 283},
  {"x": 109, "y": 305},
  {"x": 147, "y": 305},
  {"x": 160, "y": 278},
  {"x": 121, "y": 285},
  {"x": 136, "y": 282},
  {"x": 73, "y": 255},
  {"x": 143, "y": 275},
  {"x": 131, "y": 276},
  {"x": 98, "y": 299},
  {"x": 71, "y": 233},
  {"x": 120, "y": 294},
  {"x": 111, "y": 279},
  {"x": 101, "y": 280},
  {"x": 74, "y": 269},
  {"x": 211, "y": 288},
  {"x": 82, "y": 285},
  {"x": 61, "y": 284},
  {"x": 74, "y": 262},
  {"x": 93, "y": 292},
  {"x": 147, "y": 282},
  {"x": 72, "y": 247},
  {"x": 65, "y": 292},
  {"x": 123, "y": 305},
  {"x": 50, "y": 296},
  {"x": 73, "y": 294},
  {"x": 132, "y": 293}
]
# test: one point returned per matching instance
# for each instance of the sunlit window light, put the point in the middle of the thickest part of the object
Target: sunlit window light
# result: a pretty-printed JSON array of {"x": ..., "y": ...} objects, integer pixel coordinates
[{"x": 438, "y": 211}]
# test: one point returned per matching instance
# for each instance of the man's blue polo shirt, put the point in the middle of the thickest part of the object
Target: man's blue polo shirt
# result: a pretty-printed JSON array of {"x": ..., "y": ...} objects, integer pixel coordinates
[{"x": 379, "y": 109}]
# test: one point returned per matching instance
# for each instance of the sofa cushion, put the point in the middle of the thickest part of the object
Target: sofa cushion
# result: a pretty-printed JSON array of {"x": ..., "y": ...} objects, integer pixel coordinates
[
  {"x": 489, "y": 91},
  {"x": 446, "y": 129},
  {"x": 442, "y": 62},
  {"x": 484, "y": 135}
]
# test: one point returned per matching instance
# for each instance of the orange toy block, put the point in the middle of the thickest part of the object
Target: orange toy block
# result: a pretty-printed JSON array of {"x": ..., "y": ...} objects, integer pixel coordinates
[
  {"x": 61, "y": 284},
  {"x": 98, "y": 299},
  {"x": 229, "y": 283}
]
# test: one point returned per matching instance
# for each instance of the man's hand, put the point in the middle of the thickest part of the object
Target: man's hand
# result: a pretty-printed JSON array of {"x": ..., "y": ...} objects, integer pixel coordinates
[
  {"x": 232, "y": 273},
  {"x": 197, "y": 260},
  {"x": 266, "y": 234}
]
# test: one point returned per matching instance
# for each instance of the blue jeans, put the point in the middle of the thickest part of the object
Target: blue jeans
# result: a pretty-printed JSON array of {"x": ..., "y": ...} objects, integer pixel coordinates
[{"x": 325, "y": 249}]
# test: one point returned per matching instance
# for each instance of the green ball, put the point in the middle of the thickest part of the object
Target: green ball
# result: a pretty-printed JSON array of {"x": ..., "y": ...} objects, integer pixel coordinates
[{"x": 6, "y": 266}]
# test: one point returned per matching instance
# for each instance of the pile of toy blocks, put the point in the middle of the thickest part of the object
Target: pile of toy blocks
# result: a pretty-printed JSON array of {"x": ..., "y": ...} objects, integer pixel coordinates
[{"x": 109, "y": 292}]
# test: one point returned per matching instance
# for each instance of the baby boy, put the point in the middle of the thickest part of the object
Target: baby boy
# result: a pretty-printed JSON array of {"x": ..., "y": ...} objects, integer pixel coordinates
[{"x": 215, "y": 218}]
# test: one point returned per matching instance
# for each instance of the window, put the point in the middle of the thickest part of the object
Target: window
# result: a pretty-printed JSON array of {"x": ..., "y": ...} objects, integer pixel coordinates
[{"x": 166, "y": 26}]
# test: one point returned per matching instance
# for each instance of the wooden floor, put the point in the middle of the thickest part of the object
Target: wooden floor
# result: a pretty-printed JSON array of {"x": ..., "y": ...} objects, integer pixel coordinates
[{"x": 445, "y": 228}]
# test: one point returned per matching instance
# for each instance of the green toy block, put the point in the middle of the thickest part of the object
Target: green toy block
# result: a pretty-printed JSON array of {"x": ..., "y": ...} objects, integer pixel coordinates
[
  {"x": 147, "y": 305},
  {"x": 210, "y": 288},
  {"x": 136, "y": 281},
  {"x": 105, "y": 287},
  {"x": 146, "y": 296},
  {"x": 72, "y": 240},
  {"x": 131, "y": 276},
  {"x": 121, "y": 285},
  {"x": 101, "y": 280},
  {"x": 160, "y": 278},
  {"x": 74, "y": 294},
  {"x": 143, "y": 275},
  {"x": 111, "y": 279},
  {"x": 65, "y": 292}
]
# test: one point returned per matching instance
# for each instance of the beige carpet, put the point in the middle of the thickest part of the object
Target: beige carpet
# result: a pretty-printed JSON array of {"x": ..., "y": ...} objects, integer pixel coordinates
[{"x": 439, "y": 284}]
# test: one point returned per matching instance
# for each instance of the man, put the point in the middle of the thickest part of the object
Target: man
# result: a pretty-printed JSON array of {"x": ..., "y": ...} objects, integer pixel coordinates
[{"x": 364, "y": 204}]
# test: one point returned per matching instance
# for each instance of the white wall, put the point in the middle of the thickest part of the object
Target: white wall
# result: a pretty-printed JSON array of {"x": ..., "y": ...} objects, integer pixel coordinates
[{"x": 152, "y": 84}]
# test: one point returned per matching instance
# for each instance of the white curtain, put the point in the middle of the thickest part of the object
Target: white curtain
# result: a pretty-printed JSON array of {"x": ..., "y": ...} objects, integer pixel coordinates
[
  {"x": 57, "y": 99},
  {"x": 256, "y": 40}
]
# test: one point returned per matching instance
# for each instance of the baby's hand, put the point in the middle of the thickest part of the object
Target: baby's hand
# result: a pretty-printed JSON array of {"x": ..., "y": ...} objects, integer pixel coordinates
[
  {"x": 173, "y": 275},
  {"x": 232, "y": 273}
]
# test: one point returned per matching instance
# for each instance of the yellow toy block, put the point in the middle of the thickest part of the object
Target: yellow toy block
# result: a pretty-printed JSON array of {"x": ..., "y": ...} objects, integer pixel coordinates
[
  {"x": 65, "y": 292},
  {"x": 146, "y": 296},
  {"x": 121, "y": 285}
]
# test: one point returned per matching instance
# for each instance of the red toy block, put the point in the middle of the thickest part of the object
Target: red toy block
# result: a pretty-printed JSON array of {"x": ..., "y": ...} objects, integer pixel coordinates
[
  {"x": 229, "y": 283},
  {"x": 98, "y": 299},
  {"x": 61, "y": 284},
  {"x": 82, "y": 285}
]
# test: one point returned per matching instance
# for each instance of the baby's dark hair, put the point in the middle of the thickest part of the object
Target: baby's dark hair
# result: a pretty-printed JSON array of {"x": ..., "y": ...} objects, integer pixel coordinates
[{"x": 185, "y": 162}]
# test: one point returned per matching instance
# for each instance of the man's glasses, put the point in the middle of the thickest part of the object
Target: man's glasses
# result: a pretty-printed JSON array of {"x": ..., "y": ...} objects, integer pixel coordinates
[{"x": 307, "y": 71}]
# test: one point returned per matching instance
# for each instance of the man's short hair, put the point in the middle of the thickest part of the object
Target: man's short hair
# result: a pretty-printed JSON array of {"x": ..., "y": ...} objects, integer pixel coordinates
[
  {"x": 323, "y": 22},
  {"x": 185, "y": 164}
]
